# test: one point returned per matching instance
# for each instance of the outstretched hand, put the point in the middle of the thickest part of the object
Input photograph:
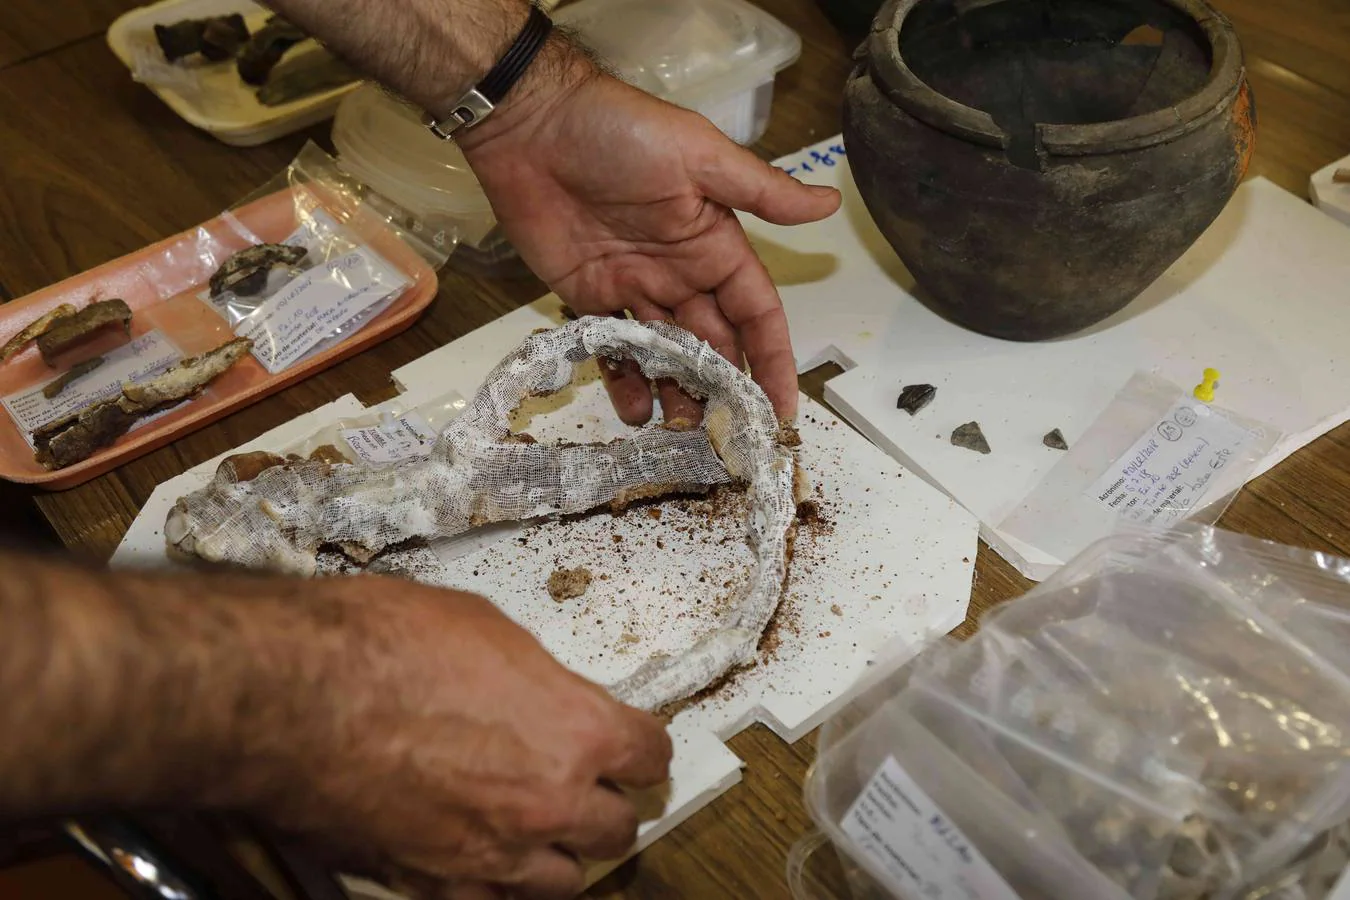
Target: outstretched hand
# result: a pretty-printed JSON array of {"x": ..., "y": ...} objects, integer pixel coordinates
[{"x": 622, "y": 202}]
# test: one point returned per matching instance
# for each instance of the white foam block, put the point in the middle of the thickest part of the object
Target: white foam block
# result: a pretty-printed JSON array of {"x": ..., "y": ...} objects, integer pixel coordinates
[
  {"x": 893, "y": 566},
  {"x": 1328, "y": 195},
  {"x": 1260, "y": 297}
]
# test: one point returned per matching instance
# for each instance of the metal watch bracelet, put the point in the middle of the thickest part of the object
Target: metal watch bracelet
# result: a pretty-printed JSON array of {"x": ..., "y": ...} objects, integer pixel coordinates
[{"x": 479, "y": 102}]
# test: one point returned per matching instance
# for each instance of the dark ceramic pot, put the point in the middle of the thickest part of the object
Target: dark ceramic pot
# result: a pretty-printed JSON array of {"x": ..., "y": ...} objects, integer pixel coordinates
[{"x": 1037, "y": 163}]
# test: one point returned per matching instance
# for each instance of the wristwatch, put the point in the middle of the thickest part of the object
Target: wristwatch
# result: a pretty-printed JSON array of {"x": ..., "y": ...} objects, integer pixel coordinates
[{"x": 477, "y": 104}]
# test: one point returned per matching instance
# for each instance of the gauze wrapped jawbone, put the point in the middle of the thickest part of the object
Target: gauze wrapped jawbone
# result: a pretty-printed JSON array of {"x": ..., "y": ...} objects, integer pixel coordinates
[{"x": 479, "y": 473}]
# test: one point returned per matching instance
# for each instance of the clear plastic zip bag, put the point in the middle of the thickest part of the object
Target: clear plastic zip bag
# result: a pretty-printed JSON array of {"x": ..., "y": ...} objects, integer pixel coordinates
[
  {"x": 1160, "y": 717},
  {"x": 1154, "y": 458},
  {"x": 302, "y": 288}
]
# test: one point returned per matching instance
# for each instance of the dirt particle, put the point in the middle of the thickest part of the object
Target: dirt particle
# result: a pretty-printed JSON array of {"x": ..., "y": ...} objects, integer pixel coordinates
[
  {"x": 565, "y": 584},
  {"x": 834, "y": 608},
  {"x": 629, "y": 638}
]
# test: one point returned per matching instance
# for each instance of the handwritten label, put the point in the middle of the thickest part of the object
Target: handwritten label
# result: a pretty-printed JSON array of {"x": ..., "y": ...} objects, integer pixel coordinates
[
  {"x": 392, "y": 440},
  {"x": 1168, "y": 471},
  {"x": 315, "y": 304},
  {"x": 145, "y": 357},
  {"x": 922, "y": 851},
  {"x": 826, "y": 157}
]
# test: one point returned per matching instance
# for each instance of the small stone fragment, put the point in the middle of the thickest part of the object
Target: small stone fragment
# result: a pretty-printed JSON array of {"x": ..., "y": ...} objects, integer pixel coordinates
[
  {"x": 1055, "y": 440},
  {"x": 916, "y": 397},
  {"x": 834, "y": 608},
  {"x": 565, "y": 584},
  {"x": 970, "y": 437}
]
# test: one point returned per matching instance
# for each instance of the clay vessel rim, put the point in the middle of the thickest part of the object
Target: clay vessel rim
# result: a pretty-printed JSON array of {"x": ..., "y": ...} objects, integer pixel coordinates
[{"x": 907, "y": 90}]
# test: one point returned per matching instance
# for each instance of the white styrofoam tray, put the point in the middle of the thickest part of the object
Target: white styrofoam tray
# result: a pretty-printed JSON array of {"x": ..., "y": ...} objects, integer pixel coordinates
[
  {"x": 894, "y": 568},
  {"x": 1261, "y": 297},
  {"x": 211, "y": 96}
]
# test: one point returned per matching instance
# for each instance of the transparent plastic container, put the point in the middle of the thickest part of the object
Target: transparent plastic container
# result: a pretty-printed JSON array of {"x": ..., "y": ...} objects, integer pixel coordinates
[
  {"x": 382, "y": 141},
  {"x": 1166, "y": 719},
  {"x": 716, "y": 57}
]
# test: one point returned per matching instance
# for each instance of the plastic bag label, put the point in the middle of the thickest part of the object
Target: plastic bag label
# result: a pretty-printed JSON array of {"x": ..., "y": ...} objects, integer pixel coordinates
[
  {"x": 306, "y": 311},
  {"x": 402, "y": 438},
  {"x": 140, "y": 359},
  {"x": 896, "y": 825},
  {"x": 1169, "y": 470}
]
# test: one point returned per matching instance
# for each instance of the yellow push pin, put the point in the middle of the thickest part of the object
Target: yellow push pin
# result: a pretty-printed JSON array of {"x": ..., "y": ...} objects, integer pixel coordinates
[{"x": 1204, "y": 391}]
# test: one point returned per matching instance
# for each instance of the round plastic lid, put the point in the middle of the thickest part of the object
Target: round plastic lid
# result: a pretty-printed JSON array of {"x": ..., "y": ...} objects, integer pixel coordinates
[
  {"x": 684, "y": 49},
  {"x": 383, "y": 141}
]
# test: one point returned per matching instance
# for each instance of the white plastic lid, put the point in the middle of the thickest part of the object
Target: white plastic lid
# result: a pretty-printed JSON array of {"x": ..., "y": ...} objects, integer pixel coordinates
[
  {"x": 384, "y": 143},
  {"x": 685, "y": 51}
]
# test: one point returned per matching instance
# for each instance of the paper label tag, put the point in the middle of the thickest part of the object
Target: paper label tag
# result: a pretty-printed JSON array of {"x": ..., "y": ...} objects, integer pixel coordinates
[
  {"x": 141, "y": 359},
  {"x": 311, "y": 307},
  {"x": 1169, "y": 470},
  {"x": 397, "y": 439},
  {"x": 903, "y": 831}
]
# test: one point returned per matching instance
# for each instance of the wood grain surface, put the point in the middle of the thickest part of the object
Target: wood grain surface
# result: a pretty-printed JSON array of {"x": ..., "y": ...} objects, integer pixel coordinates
[{"x": 95, "y": 166}]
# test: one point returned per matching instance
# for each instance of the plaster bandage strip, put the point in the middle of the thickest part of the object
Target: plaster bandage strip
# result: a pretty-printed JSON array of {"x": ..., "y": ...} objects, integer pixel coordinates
[{"x": 278, "y": 515}]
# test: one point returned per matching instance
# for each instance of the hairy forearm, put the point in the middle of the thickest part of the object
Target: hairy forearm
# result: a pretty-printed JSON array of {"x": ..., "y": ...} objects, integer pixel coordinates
[
  {"x": 133, "y": 690},
  {"x": 432, "y": 51}
]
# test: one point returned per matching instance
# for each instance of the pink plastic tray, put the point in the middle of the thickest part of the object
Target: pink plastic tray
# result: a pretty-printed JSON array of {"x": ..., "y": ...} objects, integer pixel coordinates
[{"x": 193, "y": 327}]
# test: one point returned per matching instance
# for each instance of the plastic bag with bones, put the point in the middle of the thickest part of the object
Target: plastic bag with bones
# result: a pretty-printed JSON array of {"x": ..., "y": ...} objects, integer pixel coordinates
[{"x": 263, "y": 512}]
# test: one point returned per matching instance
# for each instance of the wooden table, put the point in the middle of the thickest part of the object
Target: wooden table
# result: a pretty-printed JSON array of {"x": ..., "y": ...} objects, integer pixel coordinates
[{"x": 95, "y": 166}]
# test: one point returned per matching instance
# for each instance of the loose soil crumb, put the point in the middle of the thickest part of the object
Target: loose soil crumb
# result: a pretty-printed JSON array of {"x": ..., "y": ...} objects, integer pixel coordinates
[
  {"x": 565, "y": 584},
  {"x": 834, "y": 608},
  {"x": 628, "y": 638},
  {"x": 808, "y": 513}
]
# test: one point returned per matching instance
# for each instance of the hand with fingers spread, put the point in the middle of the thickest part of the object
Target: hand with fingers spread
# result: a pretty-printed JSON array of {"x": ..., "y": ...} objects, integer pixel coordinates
[
  {"x": 624, "y": 203},
  {"x": 619, "y": 201}
]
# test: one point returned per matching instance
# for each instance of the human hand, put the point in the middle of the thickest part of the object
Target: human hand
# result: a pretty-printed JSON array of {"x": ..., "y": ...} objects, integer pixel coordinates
[
  {"x": 435, "y": 738},
  {"x": 623, "y": 202}
]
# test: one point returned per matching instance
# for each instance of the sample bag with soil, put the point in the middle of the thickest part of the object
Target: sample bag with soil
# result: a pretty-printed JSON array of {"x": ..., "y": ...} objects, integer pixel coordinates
[{"x": 1167, "y": 718}]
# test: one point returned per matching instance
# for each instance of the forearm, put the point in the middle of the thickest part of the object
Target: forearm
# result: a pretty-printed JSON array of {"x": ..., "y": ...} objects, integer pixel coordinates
[
  {"x": 127, "y": 690},
  {"x": 432, "y": 51}
]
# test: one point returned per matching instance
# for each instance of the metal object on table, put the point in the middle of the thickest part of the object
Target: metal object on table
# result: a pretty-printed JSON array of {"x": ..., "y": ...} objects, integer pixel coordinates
[
  {"x": 179, "y": 857},
  {"x": 138, "y": 866}
]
